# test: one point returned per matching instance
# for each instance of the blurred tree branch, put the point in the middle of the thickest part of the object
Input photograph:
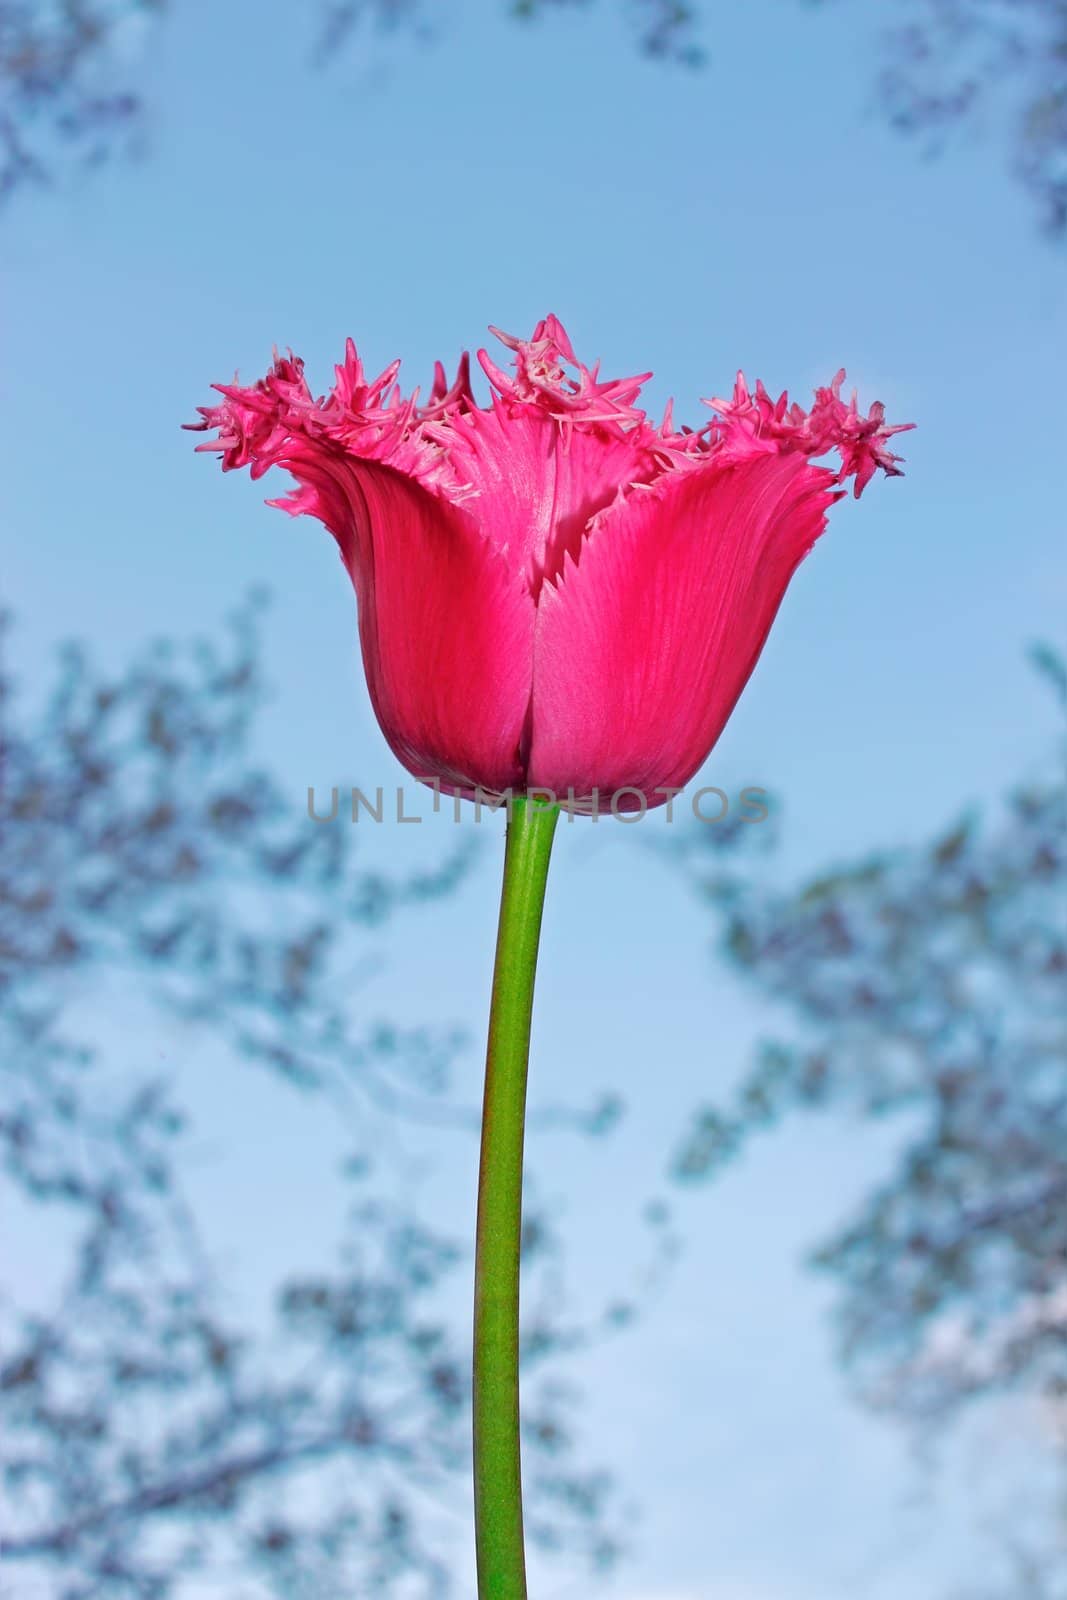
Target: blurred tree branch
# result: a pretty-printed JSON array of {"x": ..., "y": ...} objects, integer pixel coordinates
[
  {"x": 157, "y": 1443},
  {"x": 66, "y": 89},
  {"x": 949, "y": 60},
  {"x": 930, "y": 986},
  {"x": 59, "y": 62}
]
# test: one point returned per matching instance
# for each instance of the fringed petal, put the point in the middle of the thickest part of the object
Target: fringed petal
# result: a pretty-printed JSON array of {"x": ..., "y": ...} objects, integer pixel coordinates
[
  {"x": 752, "y": 424},
  {"x": 644, "y": 645},
  {"x": 445, "y": 628}
]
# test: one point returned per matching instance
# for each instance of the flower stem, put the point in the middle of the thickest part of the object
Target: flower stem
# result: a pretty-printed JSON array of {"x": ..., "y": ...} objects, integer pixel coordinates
[{"x": 497, "y": 1473}]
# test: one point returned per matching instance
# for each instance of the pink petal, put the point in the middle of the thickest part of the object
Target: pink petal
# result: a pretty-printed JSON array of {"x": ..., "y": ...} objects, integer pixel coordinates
[
  {"x": 534, "y": 492},
  {"x": 445, "y": 628},
  {"x": 644, "y": 645}
]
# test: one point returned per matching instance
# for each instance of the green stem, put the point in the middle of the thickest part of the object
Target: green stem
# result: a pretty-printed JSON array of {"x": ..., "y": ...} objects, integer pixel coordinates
[{"x": 497, "y": 1475}]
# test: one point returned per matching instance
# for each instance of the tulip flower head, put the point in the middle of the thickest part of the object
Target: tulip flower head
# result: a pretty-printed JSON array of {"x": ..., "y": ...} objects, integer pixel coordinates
[{"x": 553, "y": 592}]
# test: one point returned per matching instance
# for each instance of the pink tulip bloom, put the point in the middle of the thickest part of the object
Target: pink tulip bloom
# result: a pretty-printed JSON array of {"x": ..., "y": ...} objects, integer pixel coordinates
[{"x": 553, "y": 592}]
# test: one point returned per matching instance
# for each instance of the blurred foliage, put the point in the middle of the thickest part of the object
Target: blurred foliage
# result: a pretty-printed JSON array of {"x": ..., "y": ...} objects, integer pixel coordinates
[
  {"x": 665, "y": 30},
  {"x": 929, "y": 986},
  {"x": 949, "y": 62},
  {"x": 154, "y": 1446},
  {"x": 61, "y": 91},
  {"x": 68, "y": 83}
]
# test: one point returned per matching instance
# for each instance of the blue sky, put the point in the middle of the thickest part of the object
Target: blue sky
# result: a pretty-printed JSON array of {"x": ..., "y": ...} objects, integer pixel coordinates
[{"x": 754, "y": 215}]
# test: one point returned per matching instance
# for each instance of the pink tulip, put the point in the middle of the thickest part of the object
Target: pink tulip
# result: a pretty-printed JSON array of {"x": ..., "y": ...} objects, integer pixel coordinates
[{"x": 553, "y": 592}]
